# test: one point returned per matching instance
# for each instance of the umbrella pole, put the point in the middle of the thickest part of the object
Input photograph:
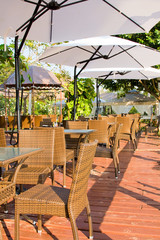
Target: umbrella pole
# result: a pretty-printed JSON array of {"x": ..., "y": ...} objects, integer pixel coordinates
[
  {"x": 17, "y": 81},
  {"x": 75, "y": 92},
  {"x": 97, "y": 99}
]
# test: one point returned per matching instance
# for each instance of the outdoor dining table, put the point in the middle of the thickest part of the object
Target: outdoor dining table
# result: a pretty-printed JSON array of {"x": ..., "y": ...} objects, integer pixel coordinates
[
  {"x": 83, "y": 133},
  {"x": 10, "y": 155}
]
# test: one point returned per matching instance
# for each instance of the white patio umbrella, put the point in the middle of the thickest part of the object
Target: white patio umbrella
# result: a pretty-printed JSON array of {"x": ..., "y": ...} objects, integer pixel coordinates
[
  {"x": 102, "y": 74},
  {"x": 101, "y": 52},
  {"x": 75, "y": 19},
  {"x": 121, "y": 73},
  {"x": 50, "y": 20}
]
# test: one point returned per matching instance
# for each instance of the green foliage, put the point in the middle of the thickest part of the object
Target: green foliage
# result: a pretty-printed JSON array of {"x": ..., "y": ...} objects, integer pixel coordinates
[
  {"x": 6, "y": 62},
  {"x": 151, "y": 39},
  {"x": 86, "y": 93},
  {"x": 10, "y": 105},
  {"x": 133, "y": 110}
]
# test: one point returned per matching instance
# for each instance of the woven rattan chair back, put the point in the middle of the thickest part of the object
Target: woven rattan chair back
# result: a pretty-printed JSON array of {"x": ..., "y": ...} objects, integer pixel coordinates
[
  {"x": 12, "y": 121},
  {"x": 53, "y": 117},
  {"x": 59, "y": 147},
  {"x": 37, "y": 120},
  {"x": 127, "y": 122},
  {"x": 76, "y": 125},
  {"x": 78, "y": 192},
  {"x": 2, "y": 122},
  {"x": 72, "y": 140},
  {"x": 2, "y": 138},
  {"x": 117, "y": 137},
  {"x": 45, "y": 199},
  {"x": 101, "y": 133},
  {"x": 61, "y": 155},
  {"x": 38, "y": 139},
  {"x": 26, "y": 122},
  {"x": 128, "y": 130}
]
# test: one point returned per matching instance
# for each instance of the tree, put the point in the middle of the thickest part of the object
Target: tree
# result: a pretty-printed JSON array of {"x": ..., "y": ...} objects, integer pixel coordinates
[
  {"x": 86, "y": 93},
  {"x": 151, "y": 39},
  {"x": 6, "y": 62}
]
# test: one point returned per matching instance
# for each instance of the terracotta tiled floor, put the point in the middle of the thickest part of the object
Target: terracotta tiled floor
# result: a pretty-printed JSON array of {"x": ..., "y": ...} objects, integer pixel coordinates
[{"x": 123, "y": 209}]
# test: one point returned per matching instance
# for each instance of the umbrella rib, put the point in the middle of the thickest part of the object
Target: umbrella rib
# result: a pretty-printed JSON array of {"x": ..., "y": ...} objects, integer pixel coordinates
[
  {"x": 86, "y": 63},
  {"x": 106, "y": 76},
  {"x": 69, "y": 4},
  {"x": 36, "y": 16},
  {"x": 126, "y": 51},
  {"x": 106, "y": 57},
  {"x": 23, "y": 26},
  {"x": 124, "y": 15},
  {"x": 88, "y": 50},
  {"x": 51, "y": 55},
  {"x": 35, "y": 3},
  {"x": 143, "y": 75}
]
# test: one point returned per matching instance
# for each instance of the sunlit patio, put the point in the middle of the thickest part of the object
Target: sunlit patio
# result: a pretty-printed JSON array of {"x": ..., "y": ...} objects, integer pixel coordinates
[{"x": 127, "y": 208}]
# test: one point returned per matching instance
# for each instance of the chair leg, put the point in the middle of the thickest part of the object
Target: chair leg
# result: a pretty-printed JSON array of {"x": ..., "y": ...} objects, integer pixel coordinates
[
  {"x": 73, "y": 165},
  {"x": 89, "y": 221},
  {"x": 135, "y": 142},
  {"x": 16, "y": 230},
  {"x": 115, "y": 164},
  {"x": 74, "y": 228},
  {"x": 64, "y": 175},
  {"x": 39, "y": 223},
  {"x": 1, "y": 233},
  {"x": 52, "y": 176},
  {"x": 5, "y": 208},
  {"x": 118, "y": 168}
]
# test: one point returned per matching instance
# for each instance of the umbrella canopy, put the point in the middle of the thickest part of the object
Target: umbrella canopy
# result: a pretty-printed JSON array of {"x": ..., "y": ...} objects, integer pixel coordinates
[
  {"x": 74, "y": 19},
  {"x": 121, "y": 73},
  {"x": 102, "y": 52},
  {"x": 40, "y": 79}
]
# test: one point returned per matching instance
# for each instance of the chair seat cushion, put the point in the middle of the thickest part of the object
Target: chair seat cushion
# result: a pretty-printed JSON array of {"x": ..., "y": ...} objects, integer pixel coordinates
[
  {"x": 102, "y": 151},
  {"x": 47, "y": 199},
  {"x": 28, "y": 175}
]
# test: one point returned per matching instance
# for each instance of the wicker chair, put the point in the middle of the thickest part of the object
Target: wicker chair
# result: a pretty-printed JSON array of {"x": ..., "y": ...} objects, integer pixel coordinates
[
  {"x": 26, "y": 122},
  {"x": 108, "y": 152},
  {"x": 61, "y": 154},
  {"x": 62, "y": 202},
  {"x": 152, "y": 128},
  {"x": 2, "y": 122},
  {"x": 53, "y": 117},
  {"x": 37, "y": 120},
  {"x": 2, "y": 138},
  {"x": 37, "y": 168},
  {"x": 128, "y": 129},
  {"x": 101, "y": 133},
  {"x": 8, "y": 189},
  {"x": 12, "y": 121},
  {"x": 72, "y": 140}
]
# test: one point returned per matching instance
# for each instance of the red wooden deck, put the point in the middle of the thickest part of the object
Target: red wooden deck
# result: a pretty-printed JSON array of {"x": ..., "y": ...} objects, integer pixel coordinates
[{"x": 123, "y": 209}]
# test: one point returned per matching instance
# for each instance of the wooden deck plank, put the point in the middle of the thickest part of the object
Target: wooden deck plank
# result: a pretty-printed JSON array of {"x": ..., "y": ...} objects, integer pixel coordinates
[{"x": 123, "y": 209}]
